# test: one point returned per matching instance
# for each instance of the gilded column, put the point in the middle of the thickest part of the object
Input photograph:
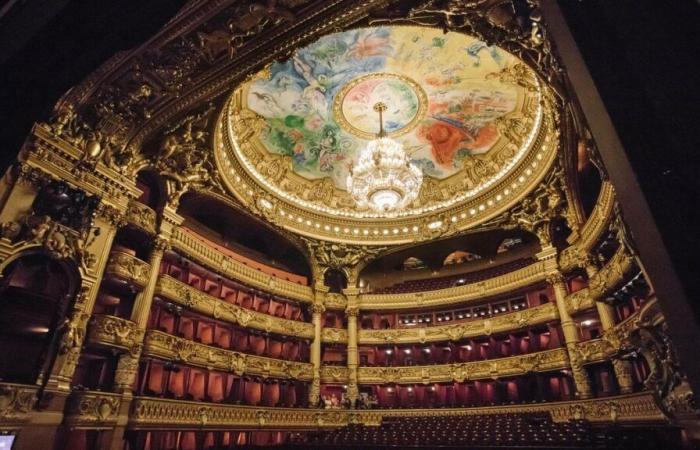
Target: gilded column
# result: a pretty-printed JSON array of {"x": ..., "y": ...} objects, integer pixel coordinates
[
  {"x": 317, "y": 310},
  {"x": 128, "y": 363},
  {"x": 351, "y": 312},
  {"x": 583, "y": 385},
  {"x": 623, "y": 371}
]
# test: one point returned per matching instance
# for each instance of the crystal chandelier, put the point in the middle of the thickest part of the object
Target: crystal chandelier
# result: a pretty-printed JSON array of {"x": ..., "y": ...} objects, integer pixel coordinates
[{"x": 384, "y": 178}]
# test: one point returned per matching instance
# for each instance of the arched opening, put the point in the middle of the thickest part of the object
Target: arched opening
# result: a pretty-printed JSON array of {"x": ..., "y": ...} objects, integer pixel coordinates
[
  {"x": 460, "y": 257},
  {"x": 509, "y": 243},
  {"x": 413, "y": 263},
  {"x": 243, "y": 234},
  {"x": 153, "y": 190},
  {"x": 34, "y": 295},
  {"x": 335, "y": 280}
]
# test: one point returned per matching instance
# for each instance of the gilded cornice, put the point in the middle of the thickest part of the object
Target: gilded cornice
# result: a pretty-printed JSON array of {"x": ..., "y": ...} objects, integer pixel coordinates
[
  {"x": 155, "y": 413},
  {"x": 609, "y": 277},
  {"x": 62, "y": 160},
  {"x": 173, "y": 348},
  {"x": 90, "y": 408},
  {"x": 334, "y": 335},
  {"x": 489, "y": 369},
  {"x": 141, "y": 216},
  {"x": 235, "y": 270},
  {"x": 502, "y": 284},
  {"x": 128, "y": 268},
  {"x": 114, "y": 332},
  {"x": 592, "y": 229},
  {"x": 456, "y": 331},
  {"x": 211, "y": 306},
  {"x": 16, "y": 402},
  {"x": 335, "y": 374}
]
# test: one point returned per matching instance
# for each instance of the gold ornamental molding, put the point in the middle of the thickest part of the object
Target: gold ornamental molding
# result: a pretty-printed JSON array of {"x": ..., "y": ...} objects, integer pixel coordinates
[
  {"x": 610, "y": 344},
  {"x": 173, "y": 348},
  {"x": 502, "y": 284},
  {"x": 196, "y": 300},
  {"x": 114, "y": 332},
  {"x": 334, "y": 336},
  {"x": 605, "y": 281},
  {"x": 334, "y": 301},
  {"x": 16, "y": 402},
  {"x": 638, "y": 407},
  {"x": 335, "y": 374},
  {"x": 91, "y": 409},
  {"x": 164, "y": 414},
  {"x": 62, "y": 160},
  {"x": 592, "y": 230},
  {"x": 548, "y": 360},
  {"x": 128, "y": 268},
  {"x": 141, "y": 216},
  {"x": 456, "y": 331},
  {"x": 235, "y": 270}
]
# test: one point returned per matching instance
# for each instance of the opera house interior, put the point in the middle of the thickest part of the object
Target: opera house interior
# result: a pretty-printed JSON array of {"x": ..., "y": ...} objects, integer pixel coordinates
[{"x": 348, "y": 224}]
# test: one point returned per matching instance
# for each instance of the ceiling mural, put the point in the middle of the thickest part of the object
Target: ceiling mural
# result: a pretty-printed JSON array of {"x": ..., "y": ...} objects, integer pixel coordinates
[
  {"x": 443, "y": 95},
  {"x": 472, "y": 117}
]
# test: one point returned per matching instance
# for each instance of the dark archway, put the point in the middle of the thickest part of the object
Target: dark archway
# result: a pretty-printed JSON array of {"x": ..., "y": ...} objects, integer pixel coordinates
[
  {"x": 335, "y": 280},
  {"x": 35, "y": 293},
  {"x": 153, "y": 189}
]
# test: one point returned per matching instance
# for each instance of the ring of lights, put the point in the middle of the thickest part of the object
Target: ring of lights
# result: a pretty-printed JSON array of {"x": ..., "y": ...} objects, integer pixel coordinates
[{"x": 317, "y": 208}]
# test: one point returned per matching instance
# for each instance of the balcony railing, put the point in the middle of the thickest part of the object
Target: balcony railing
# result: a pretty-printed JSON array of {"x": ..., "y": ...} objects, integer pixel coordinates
[
  {"x": 173, "y": 348},
  {"x": 141, "y": 216},
  {"x": 200, "y": 302},
  {"x": 545, "y": 361},
  {"x": 92, "y": 409},
  {"x": 456, "y": 331},
  {"x": 162, "y": 414},
  {"x": 237, "y": 271},
  {"x": 128, "y": 268},
  {"x": 113, "y": 332}
]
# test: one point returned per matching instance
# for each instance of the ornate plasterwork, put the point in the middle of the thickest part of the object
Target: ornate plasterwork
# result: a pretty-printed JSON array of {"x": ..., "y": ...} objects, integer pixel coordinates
[
  {"x": 236, "y": 270},
  {"x": 114, "y": 332},
  {"x": 456, "y": 331},
  {"x": 605, "y": 280},
  {"x": 16, "y": 402},
  {"x": 172, "y": 414},
  {"x": 141, "y": 216},
  {"x": 316, "y": 208},
  {"x": 90, "y": 408},
  {"x": 173, "y": 348},
  {"x": 128, "y": 268},
  {"x": 527, "y": 276},
  {"x": 459, "y": 372},
  {"x": 196, "y": 300}
]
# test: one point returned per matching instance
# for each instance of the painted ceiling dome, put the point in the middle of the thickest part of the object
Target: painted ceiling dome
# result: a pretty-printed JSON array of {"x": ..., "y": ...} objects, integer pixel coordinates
[{"x": 470, "y": 117}]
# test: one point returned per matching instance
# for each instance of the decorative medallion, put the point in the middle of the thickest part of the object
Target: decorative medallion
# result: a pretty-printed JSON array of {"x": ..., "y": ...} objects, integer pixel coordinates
[
  {"x": 472, "y": 117},
  {"x": 353, "y": 105}
]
